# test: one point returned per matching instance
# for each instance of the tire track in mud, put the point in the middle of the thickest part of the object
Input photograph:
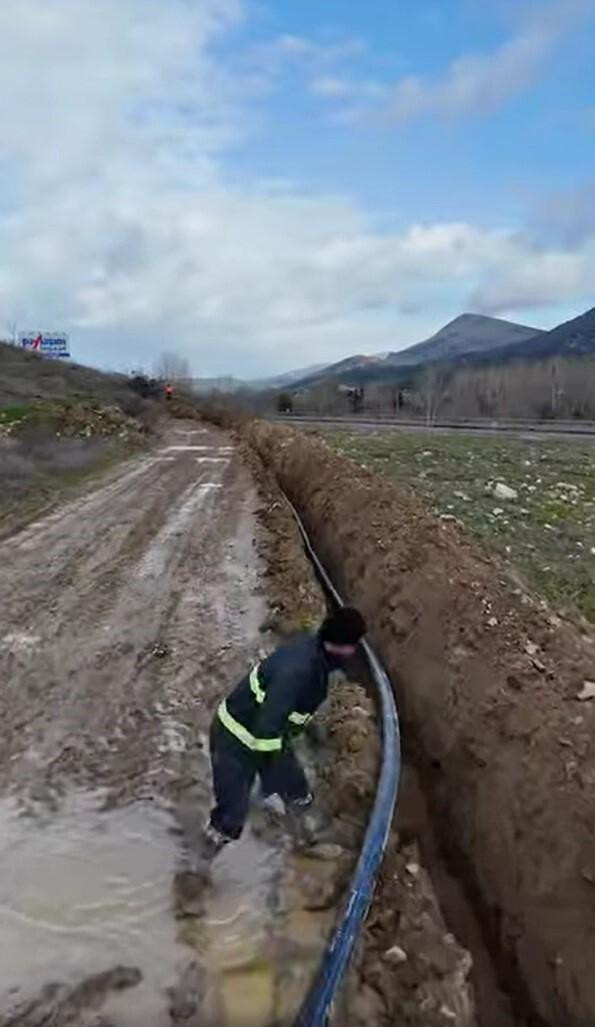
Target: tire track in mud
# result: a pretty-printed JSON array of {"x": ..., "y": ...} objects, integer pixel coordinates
[
  {"x": 161, "y": 560},
  {"x": 69, "y": 636}
]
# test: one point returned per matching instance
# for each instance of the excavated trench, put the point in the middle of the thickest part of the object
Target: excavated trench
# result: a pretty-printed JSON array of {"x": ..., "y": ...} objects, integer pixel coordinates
[{"x": 487, "y": 681}]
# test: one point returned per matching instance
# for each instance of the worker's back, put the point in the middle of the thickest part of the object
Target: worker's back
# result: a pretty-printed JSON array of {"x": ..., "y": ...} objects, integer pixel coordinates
[{"x": 293, "y": 680}]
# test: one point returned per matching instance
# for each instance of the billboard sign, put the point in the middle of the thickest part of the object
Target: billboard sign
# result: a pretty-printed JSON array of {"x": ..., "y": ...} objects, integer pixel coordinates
[{"x": 49, "y": 344}]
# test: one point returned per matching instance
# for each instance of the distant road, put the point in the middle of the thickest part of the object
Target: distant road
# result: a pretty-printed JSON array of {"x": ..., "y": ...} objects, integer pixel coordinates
[{"x": 571, "y": 430}]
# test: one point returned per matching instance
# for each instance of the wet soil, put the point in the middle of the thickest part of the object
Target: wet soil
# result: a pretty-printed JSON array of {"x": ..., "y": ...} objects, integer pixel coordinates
[
  {"x": 488, "y": 680},
  {"x": 126, "y": 614}
]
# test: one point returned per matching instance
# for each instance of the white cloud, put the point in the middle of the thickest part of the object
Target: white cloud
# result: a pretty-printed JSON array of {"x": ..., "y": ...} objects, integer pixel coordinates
[
  {"x": 474, "y": 83},
  {"x": 567, "y": 217},
  {"x": 333, "y": 87},
  {"x": 477, "y": 83},
  {"x": 538, "y": 279},
  {"x": 121, "y": 225}
]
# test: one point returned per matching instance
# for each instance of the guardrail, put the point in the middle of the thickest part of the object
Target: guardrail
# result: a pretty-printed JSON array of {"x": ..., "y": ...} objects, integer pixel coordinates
[
  {"x": 571, "y": 428},
  {"x": 317, "y": 1006}
]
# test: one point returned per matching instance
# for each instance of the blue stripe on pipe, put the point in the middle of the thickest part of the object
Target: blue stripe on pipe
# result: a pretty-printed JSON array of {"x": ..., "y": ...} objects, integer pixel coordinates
[{"x": 317, "y": 1005}]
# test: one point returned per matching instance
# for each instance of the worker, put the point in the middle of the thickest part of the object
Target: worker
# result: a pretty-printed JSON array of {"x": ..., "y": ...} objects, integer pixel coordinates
[
  {"x": 252, "y": 728},
  {"x": 168, "y": 391}
]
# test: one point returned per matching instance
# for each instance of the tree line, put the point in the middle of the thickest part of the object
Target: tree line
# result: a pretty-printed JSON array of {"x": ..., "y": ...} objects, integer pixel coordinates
[{"x": 562, "y": 388}]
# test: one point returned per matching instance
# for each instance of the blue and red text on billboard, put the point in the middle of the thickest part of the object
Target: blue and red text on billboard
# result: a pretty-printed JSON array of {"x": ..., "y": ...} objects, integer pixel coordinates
[{"x": 49, "y": 344}]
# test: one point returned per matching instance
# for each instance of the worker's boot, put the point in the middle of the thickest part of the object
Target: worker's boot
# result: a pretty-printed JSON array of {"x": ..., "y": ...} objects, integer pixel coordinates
[
  {"x": 212, "y": 842},
  {"x": 309, "y": 833},
  {"x": 301, "y": 823},
  {"x": 191, "y": 884}
]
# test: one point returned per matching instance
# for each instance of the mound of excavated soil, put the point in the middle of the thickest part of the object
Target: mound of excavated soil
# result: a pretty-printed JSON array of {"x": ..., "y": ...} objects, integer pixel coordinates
[
  {"x": 429, "y": 987},
  {"x": 488, "y": 682}
]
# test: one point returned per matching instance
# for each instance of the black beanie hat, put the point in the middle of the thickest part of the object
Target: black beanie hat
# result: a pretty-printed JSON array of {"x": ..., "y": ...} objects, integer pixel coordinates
[{"x": 345, "y": 626}]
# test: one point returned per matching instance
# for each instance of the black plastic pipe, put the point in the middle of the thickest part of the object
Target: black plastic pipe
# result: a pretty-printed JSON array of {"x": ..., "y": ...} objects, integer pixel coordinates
[{"x": 317, "y": 1005}]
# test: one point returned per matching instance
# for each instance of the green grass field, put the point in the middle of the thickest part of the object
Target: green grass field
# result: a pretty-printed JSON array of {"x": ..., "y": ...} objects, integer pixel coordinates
[{"x": 547, "y": 531}]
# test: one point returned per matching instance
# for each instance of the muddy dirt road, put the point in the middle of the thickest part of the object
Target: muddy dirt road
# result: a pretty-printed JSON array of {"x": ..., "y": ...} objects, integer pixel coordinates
[{"x": 124, "y": 616}]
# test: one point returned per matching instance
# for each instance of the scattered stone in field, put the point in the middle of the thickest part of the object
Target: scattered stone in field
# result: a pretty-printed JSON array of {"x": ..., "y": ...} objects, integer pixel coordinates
[
  {"x": 463, "y": 496},
  {"x": 497, "y": 511},
  {"x": 413, "y": 869},
  {"x": 493, "y": 622},
  {"x": 587, "y": 691},
  {"x": 447, "y": 517},
  {"x": 531, "y": 648},
  {"x": 502, "y": 491}
]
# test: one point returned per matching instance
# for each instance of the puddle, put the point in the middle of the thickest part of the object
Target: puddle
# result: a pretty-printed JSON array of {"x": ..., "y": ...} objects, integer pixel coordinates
[
  {"x": 84, "y": 891},
  {"x": 236, "y": 938}
]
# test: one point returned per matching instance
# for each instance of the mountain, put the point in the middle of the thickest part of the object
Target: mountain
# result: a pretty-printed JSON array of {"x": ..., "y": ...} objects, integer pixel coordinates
[
  {"x": 575, "y": 338},
  {"x": 279, "y": 381},
  {"x": 466, "y": 335}
]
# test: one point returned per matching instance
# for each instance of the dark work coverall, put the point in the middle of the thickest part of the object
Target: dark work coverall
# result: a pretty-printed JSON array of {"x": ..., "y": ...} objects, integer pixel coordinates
[{"x": 251, "y": 731}]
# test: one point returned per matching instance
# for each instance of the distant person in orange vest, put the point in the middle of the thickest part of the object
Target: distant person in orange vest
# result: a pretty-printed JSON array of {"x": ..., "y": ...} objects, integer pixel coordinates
[{"x": 169, "y": 391}]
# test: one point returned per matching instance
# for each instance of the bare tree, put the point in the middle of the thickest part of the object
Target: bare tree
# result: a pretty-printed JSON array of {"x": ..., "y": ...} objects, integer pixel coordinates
[
  {"x": 171, "y": 367},
  {"x": 433, "y": 388}
]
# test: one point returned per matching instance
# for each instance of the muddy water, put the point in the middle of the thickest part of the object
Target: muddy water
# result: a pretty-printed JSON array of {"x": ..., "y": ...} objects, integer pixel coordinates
[
  {"x": 84, "y": 891},
  {"x": 237, "y": 934}
]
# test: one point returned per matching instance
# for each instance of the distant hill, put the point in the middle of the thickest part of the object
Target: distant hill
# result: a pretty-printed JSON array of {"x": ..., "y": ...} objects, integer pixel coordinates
[
  {"x": 466, "y": 335},
  {"x": 280, "y": 381},
  {"x": 229, "y": 384},
  {"x": 469, "y": 333},
  {"x": 575, "y": 338}
]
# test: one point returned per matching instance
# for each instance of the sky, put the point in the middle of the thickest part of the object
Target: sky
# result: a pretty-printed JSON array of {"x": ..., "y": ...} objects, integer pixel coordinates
[{"x": 260, "y": 185}]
